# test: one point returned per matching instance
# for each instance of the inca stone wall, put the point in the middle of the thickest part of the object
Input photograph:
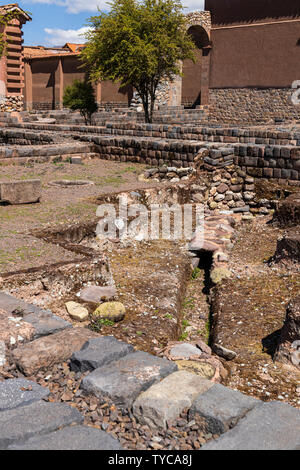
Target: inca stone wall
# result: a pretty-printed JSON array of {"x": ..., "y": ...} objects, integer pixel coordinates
[{"x": 237, "y": 105}]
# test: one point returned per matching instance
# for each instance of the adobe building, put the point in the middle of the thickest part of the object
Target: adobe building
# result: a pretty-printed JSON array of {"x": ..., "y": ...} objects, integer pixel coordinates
[
  {"x": 48, "y": 71},
  {"x": 248, "y": 56},
  {"x": 11, "y": 62}
]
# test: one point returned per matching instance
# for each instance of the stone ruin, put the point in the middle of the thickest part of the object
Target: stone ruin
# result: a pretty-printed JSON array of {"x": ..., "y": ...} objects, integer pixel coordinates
[{"x": 111, "y": 330}]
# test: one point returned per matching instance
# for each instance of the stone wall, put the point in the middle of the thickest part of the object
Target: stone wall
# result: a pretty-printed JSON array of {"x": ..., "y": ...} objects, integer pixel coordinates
[
  {"x": 252, "y": 105},
  {"x": 260, "y": 161}
]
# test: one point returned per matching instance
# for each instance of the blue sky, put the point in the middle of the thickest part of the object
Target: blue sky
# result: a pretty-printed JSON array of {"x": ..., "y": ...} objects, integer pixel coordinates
[{"x": 55, "y": 22}]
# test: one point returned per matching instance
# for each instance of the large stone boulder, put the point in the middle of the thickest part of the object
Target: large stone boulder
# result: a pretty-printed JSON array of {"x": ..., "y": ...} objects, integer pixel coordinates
[{"x": 288, "y": 350}]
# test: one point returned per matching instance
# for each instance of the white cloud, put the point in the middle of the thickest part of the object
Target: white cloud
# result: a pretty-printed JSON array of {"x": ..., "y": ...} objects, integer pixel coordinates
[
  {"x": 77, "y": 6},
  {"x": 58, "y": 37}
]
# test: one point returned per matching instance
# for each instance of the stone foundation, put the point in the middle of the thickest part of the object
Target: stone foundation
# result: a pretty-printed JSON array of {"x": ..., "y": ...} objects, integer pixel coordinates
[{"x": 237, "y": 105}]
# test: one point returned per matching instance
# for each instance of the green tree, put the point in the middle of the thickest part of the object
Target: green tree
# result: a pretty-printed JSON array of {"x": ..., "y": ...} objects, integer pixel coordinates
[
  {"x": 141, "y": 43},
  {"x": 80, "y": 97}
]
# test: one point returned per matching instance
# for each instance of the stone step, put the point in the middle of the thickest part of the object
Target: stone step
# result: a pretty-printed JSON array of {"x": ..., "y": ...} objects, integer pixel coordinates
[
  {"x": 269, "y": 426},
  {"x": 123, "y": 380},
  {"x": 99, "y": 352},
  {"x": 220, "y": 408},
  {"x": 44, "y": 352},
  {"x": 71, "y": 438},
  {"x": 43, "y": 321},
  {"x": 164, "y": 402},
  {"x": 38, "y": 418},
  {"x": 19, "y": 392}
]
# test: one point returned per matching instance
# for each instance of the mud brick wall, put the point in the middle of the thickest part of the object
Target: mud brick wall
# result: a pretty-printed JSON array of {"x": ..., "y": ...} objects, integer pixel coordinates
[{"x": 238, "y": 105}]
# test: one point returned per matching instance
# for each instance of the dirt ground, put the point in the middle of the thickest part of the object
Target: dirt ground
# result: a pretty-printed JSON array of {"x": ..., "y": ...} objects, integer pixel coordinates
[
  {"x": 250, "y": 310},
  {"x": 18, "y": 248}
]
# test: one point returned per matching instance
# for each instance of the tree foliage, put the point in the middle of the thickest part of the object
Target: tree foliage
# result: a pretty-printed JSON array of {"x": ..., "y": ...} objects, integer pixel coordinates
[
  {"x": 80, "y": 97},
  {"x": 140, "y": 43}
]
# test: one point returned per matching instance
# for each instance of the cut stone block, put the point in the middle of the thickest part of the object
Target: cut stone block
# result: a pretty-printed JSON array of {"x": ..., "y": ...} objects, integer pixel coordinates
[
  {"x": 269, "y": 426},
  {"x": 20, "y": 392},
  {"x": 44, "y": 352},
  {"x": 98, "y": 352},
  {"x": 71, "y": 438},
  {"x": 166, "y": 400},
  {"x": 220, "y": 408},
  {"x": 44, "y": 321},
  {"x": 20, "y": 192},
  {"x": 19, "y": 424},
  {"x": 123, "y": 380}
]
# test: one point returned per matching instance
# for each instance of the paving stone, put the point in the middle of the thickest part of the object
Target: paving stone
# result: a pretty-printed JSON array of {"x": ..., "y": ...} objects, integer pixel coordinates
[
  {"x": 71, "y": 438},
  {"x": 44, "y": 321},
  {"x": 220, "y": 408},
  {"x": 20, "y": 192},
  {"x": 20, "y": 392},
  {"x": 269, "y": 426},
  {"x": 45, "y": 352},
  {"x": 97, "y": 293},
  {"x": 166, "y": 400},
  {"x": 123, "y": 380},
  {"x": 19, "y": 424},
  {"x": 98, "y": 352},
  {"x": 184, "y": 351}
]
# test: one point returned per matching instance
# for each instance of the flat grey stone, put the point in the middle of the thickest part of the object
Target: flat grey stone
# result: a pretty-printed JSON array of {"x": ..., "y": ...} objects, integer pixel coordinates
[
  {"x": 20, "y": 392},
  {"x": 165, "y": 400},
  {"x": 19, "y": 424},
  {"x": 220, "y": 408},
  {"x": 97, "y": 293},
  {"x": 71, "y": 438},
  {"x": 98, "y": 352},
  {"x": 185, "y": 350},
  {"x": 269, "y": 426},
  {"x": 44, "y": 321},
  {"x": 123, "y": 380}
]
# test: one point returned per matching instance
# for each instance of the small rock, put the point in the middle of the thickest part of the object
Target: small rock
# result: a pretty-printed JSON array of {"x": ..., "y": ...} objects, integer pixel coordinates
[
  {"x": 77, "y": 311},
  {"x": 114, "y": 311},
  {"x": 224, "y": 352}
]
